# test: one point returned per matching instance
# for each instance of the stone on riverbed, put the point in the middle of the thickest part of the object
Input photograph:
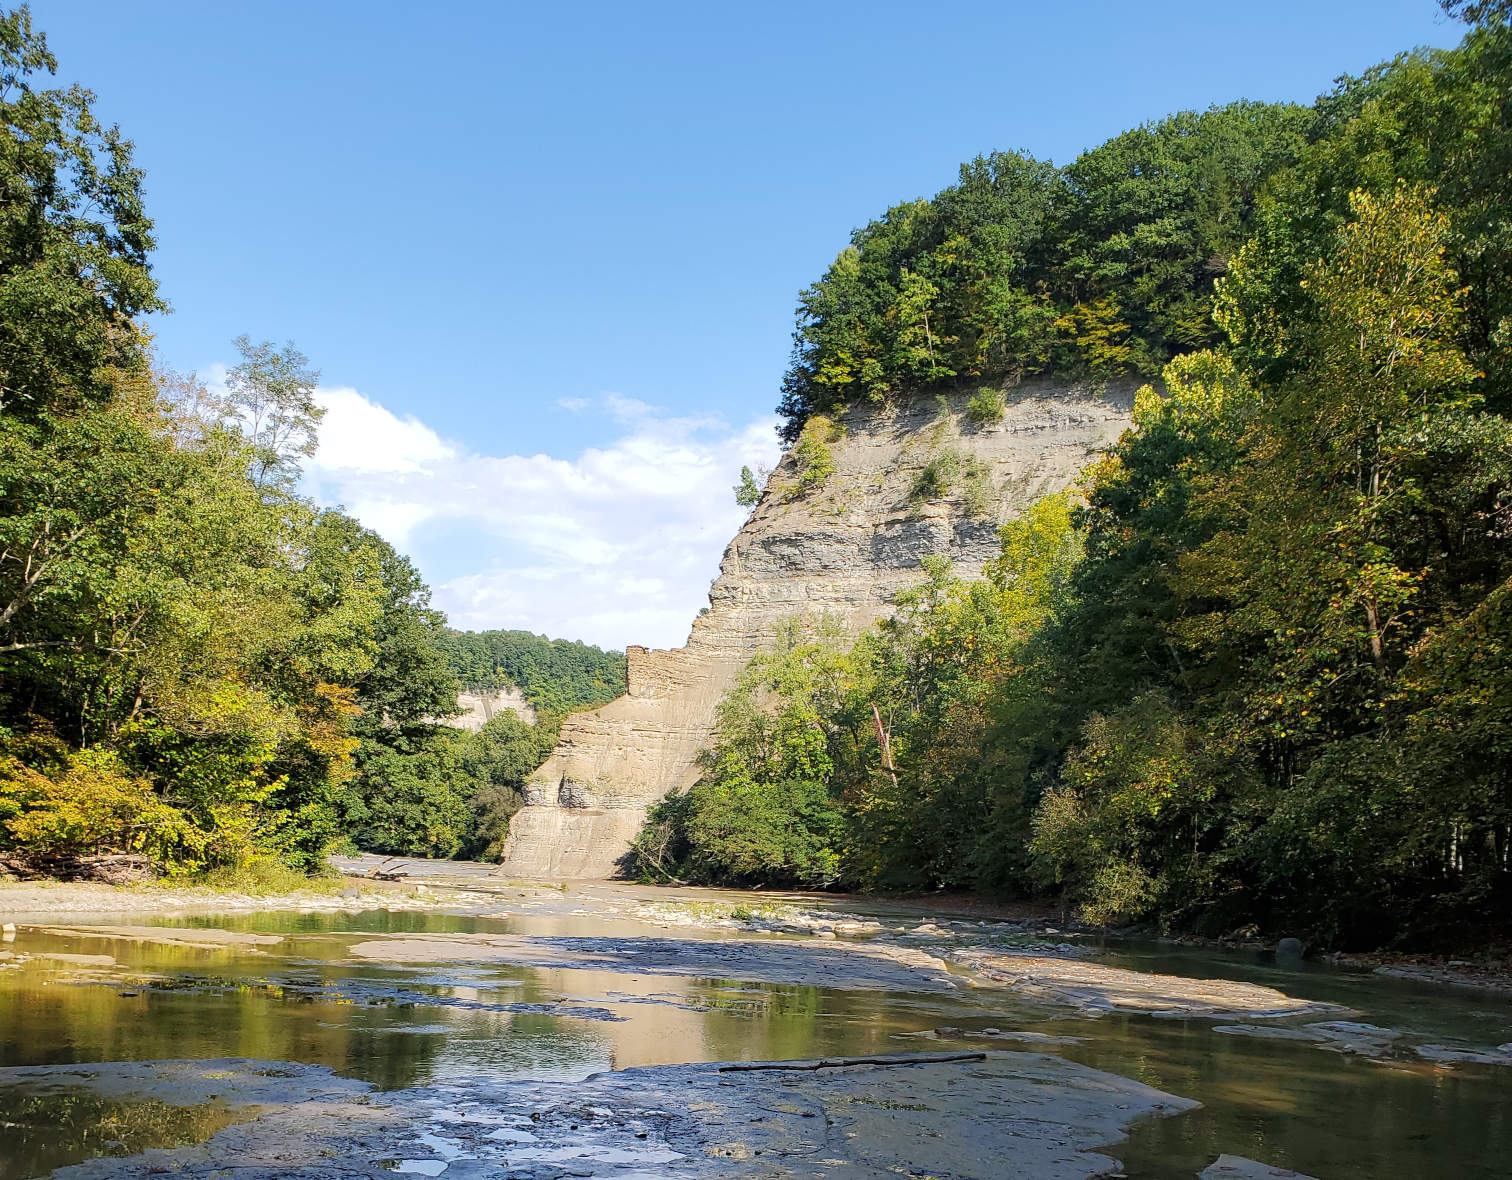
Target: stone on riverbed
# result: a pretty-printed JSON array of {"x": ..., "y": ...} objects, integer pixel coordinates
[
  {"x": 164, "y": 935},
  {"x": 1340, "y": 1036},
  {"x": 859, "y": 966},
  {"x": 1370, "y": 1040},
  {"x": 1098, "y": 989},
  {"x": 72, "y": 960},
  {"x": 996, "y": 1034},
  {"x": 981, "y": 1116},
  {"x": 1501, "y": 1055},
  {"x": 1236, "y": 1167}
]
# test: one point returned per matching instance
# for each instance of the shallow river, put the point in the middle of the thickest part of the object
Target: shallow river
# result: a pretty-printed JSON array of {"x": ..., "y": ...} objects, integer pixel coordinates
[{"x": 306, "y": 999}]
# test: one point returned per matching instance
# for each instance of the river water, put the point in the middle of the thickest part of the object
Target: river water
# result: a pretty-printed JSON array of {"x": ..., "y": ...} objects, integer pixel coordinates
[{"x": 306, "y": 999}]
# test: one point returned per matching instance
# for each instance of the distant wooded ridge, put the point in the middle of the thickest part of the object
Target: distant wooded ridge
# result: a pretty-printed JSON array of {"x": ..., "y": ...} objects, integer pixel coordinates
[{"x": 553, "y": 675}]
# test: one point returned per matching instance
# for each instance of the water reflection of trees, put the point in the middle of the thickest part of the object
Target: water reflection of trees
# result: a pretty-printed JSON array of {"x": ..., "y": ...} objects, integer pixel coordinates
[
  {"x": 48, "y": 1020},
  {"x": 49, "y": 1127}
]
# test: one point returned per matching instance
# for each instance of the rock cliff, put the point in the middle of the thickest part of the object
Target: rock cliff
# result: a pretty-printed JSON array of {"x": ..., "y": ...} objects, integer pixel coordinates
[
  {"x": 479, "y": 708},
  {"x": 841, "y": 550}
]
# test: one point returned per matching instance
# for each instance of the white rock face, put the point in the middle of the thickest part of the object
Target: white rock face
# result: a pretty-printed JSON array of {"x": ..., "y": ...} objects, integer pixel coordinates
[
  {"x": 841, "y": 551},
  {"x": 478, "y": 708}
]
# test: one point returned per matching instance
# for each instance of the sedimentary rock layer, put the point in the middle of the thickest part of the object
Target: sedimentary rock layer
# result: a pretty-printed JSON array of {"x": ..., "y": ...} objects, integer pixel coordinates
[
  {"x": 975, "y": 1116},
  {"x": 479, "y": 708},
  {"x": 843, "y": 551}
]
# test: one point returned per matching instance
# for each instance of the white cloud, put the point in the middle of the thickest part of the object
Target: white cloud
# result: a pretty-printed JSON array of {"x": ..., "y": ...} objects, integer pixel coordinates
[
  {"x": 361, "y": 436},
  {"x": 614, "y": 546}
]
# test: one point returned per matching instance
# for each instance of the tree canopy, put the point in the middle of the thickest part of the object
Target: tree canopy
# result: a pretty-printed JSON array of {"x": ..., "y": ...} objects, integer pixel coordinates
[
  {"x": 1252, "y": 673},
  {"x": 197, "y": 664},
  {"x": 1103, "y": 267}
]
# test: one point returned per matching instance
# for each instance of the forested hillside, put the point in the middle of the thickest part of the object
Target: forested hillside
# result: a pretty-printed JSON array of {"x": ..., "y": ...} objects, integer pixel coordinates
[
  {"x": 198, "y": 666},
  {"x": 554, "y": 675},
  {"x": 1105, "y": 266},
  {"x": 1256, "y": 672}
]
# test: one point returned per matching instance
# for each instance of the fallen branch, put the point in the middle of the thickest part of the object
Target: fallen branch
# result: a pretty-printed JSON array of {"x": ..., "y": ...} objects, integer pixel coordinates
[{"x": 841, "y": 1062}]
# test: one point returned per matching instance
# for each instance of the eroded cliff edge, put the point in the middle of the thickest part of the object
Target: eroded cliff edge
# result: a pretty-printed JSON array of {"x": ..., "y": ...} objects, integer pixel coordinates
[{"x": 842, "y": 550}]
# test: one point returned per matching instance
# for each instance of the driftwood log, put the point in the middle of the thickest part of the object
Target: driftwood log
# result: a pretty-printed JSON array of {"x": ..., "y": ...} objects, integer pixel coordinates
[{"x": 842, "y": 1062}]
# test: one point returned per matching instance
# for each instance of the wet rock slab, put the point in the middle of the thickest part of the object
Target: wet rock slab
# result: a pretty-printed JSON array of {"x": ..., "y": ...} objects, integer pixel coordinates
[
  {"x": 1097, "y": 989},
  {"x": 1340, "y": 1036},
  {"x": 977, "y": 1116},
  {"x": 864, "y": 966},
  {"x": 164, "y": 935},
  {"x": 370, "y": 994},
  {"x": 1454, "y": 1055},
  {"x": 1236, "y": 1167},
  {"x": 1373, "y": 1041}
]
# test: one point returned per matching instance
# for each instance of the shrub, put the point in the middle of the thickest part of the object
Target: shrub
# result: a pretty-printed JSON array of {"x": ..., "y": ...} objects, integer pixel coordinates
[
  {"x": 747, "y": 491},
  {"x": 91, "y": 804},
  {"x": 813, "y": 462},
  {"x": 1134, "y": 800},
  {"x": 764, "y": 811},
  {"x": 987, "y": 405},
  {"x": 951, "y": 472}
]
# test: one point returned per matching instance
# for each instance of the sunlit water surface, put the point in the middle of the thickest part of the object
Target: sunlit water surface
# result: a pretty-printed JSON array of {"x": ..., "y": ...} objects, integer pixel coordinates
[{"x": 305, "y": 1000}]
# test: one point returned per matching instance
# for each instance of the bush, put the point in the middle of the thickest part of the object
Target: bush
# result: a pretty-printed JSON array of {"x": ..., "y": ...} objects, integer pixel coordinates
[
  {"x": 764, "y": 812},
  {"x": 951, "y": 472},
  {"x": 813, "y": 462},
  {"x": 747, "y": 491},
  {"x": 413, "y": 795},
  {"x": 1134, "y": 802},
  {"x": 90, "y": 804},
  {"x": 262, "y": 876},
  {"x": 987, "y": 405}
]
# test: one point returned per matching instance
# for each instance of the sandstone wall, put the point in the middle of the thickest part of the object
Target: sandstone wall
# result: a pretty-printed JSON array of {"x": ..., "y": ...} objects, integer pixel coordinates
[
  {"x": 479, "y": 708},
  {"x": 842, "y": 551}
]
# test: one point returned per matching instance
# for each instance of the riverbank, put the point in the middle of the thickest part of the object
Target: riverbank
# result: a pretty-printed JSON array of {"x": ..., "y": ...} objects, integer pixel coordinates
[
  {"x": 370, "y": 882},
  {"x": 29, "y": 899}
]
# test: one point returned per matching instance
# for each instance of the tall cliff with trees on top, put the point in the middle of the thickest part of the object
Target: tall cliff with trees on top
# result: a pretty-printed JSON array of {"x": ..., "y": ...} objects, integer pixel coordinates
[{"x": 1253, "y": 673}]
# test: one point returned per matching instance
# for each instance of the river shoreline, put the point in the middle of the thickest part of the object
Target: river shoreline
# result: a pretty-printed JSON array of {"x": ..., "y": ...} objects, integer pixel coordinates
[{"x": 469, "y": 887}]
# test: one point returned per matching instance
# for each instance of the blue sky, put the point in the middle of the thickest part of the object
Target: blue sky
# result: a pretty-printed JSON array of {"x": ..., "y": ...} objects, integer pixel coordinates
[{"x": 546, "y": 255}]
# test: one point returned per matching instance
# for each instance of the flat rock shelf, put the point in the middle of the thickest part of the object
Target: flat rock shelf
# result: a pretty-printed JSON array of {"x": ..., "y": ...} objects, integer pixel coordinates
[{"x": 978, "y": 1116}]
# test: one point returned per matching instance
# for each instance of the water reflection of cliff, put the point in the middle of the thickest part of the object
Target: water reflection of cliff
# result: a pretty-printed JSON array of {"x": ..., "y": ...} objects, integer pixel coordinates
[{"x": 398, "y": 1026}]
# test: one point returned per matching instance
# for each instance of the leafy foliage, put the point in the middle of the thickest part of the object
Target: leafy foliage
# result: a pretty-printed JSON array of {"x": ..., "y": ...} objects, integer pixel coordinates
[
  {"x": 74, "y": 238},
  {"x": 813, "y": 461},
  {"x": 952, "y": 473},
  {"x": 196, "y": 663},
  {"x": 763, "y": 813},
  {"x": 554, "y": 675},
  {"x": 1104, "y": 267},
  {"x": 1255, "y": 674},
  {"x": 986, "y": 406},
  {"x": 747, "y": 491}
]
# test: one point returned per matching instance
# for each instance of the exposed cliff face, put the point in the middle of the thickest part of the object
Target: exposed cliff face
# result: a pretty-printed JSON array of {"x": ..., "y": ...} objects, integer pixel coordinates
[
  {"x": 842, "y": 550},
  {"x": 479, "y": 708}
]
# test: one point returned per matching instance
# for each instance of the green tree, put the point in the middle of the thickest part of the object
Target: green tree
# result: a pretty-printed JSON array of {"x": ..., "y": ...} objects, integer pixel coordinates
[
  {"x": 763, "y": 811},
  {"x": 272, "y": 393},
  {"x": 74, "y": 238},
  {"x": 747, "y": 491}
]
